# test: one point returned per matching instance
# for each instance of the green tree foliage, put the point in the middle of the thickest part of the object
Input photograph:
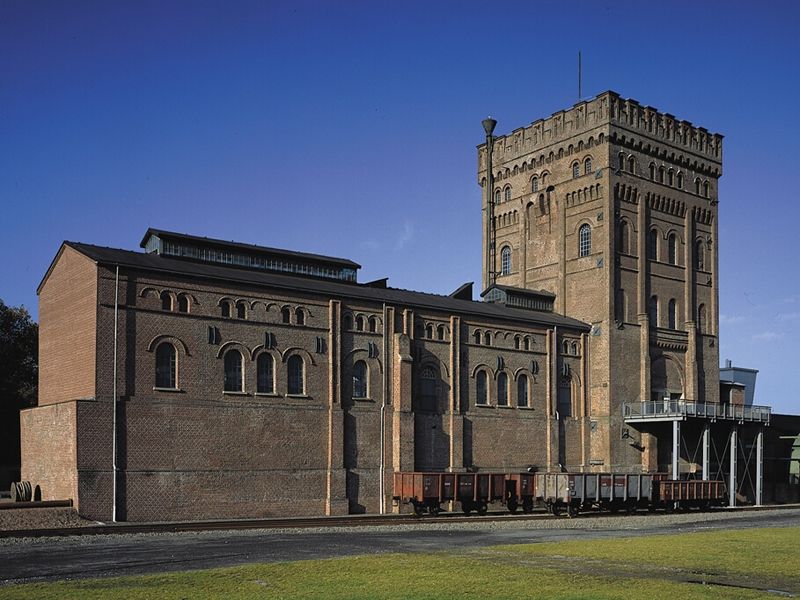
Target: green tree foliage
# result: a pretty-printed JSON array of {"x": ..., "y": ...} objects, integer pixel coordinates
[{"x": 19, "y": 372}]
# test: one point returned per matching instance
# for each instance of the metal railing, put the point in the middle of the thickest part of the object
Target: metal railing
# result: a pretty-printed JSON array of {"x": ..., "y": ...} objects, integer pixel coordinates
[{"x": 688, "y": 408}]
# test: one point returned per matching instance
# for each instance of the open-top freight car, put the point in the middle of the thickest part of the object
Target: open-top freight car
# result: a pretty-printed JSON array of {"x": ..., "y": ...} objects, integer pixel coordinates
[
  {"x": 474, "y": 491},
  {"x": 559, "y": 493}
]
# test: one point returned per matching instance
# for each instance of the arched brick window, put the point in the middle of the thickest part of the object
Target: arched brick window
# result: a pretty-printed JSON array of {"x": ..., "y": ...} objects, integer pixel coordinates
[
  {"x": 587, "y": 165},
  {"x": 576, "y": 170},
  {"x": 671, "y": 314},
  {"x": 166, "y": 301},
  {"x": 226, "y": 309},
  {"x": 241, "y": 310},
  {"x": 373, "y": 324},
  {"x": 507, "y": 193},
  {"x": 481, "y": 388},
  {"x": 502, "y": 389},
  {"x": 286, "y": 315},
  {"x": 440, "y": 332},
  {"x": 299, "y": 316},
  {"x": 522, "y": 390},
  {"x": 652, "y": 311},
  {"x": 234, "y": 375},
  {"x": 427, "y": 389},
  {"x": 505, "y": 260},
  {"x": 359, "y": 323},
  {"x": 166, "y": 366},
  {"x": 360, "y": 379},
  {"x": 265, "y": 370},
  {"x": 672, "y": 243},
  {"x": 183, "y": 303},
  {"x": 584, "y": 240},
  {"x": 652, "y": 244},
  {"x": 534, "y": 184},
  {"x": 347, "y": 322},
  {"x": 296, "y": 379}
]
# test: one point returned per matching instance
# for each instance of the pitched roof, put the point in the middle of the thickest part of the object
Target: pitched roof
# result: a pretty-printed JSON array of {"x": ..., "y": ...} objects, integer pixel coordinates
[{"x": 295, "y": 283}]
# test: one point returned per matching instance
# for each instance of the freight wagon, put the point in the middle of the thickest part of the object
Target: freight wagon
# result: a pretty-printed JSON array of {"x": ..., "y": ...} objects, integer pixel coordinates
[{"x": 558, "y": 493}]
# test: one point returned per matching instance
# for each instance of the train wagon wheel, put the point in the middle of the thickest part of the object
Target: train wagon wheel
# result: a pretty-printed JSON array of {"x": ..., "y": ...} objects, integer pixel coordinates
[
  {"x": 512, "y": 505},
  {"x": 419, "y": 509},
  {"x": 527, "y": 505},
  {"x": 556, "y": 509},
  {"x": 572, "y": 511},
  {"x": 466, "y": 507},
  {"x": 483, "y": 508}
]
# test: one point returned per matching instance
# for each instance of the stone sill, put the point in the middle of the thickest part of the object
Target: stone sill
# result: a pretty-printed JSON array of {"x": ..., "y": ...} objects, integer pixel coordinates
[
  {"x": 229, "y": 393},
  {"x": 168, "y": 390}
]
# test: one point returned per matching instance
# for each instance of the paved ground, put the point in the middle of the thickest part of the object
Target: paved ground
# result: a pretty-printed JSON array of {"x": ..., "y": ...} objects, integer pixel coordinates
[{"x": 109, "y": 555}]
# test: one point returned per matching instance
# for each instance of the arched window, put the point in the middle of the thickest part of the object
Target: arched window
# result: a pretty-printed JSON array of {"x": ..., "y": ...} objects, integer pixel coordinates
[
  {"x": 497, "y": 197},
  {"x": 624, "y": 238},
  {"x": 166, "y": 366},
  {"x": 347, "y": 322},
  {"x": 427, "y": 389},
  {"x": 487, "y": 338},
  {"x": 545, "y": 175},
  {"x": 701, "y": 318},
  {"x": 183, "y": 303},
  {"x": 574, "y": 348},
  {"x": 516, "y": 342},
  {"x": 652, "y": 244},
  {"x": 621, "y": 161},
  {"x": 680, "y": 181},
  {"x": 522, "y": 390},
  {"x": 265, "y": 373},
  {"x": 652, "y": 172},
  {"x": 632, "y": 164},
  {"x": 670, "y": 177},
  {"x": 584, "y": 240},
  {"x": 480, "y": 388},
  {"x": 234, "y": 376},
  {"x": 652, "y": 311},
  {"x": 507, "y": 193},
  {"x": 241, "y": 310},
  {"x": 226, "y": 309},
  {"x": 565, "y": 347},
  {"x": 621, "y": 306},
  {"x": 502, "y": 389},
  {"x": 373, "y": 324},
  {"x": 672, "y": 242},
  {"x": 286, "y": 315},
  {"x": 299, "y": 316},
  {"x": 166, "y": 301},
  {"x": 429, "y": 331},
  {"x": 671, "y": 316},
  {"x": 360, "y": 374},
  {"x": 660, "y": 174},
  {"x": 505, "y": 260},
  {"x": 587, "y": 165},
  {"x": 440, "y": 332},
  {"x": 477, "y": 336},
  {"x": 534, "y": 184},
  {"x": 296, "y": 381},
  {"x": 359, "y": 323},
  {"x": 576, "y": 170},
  {"x": 697, "y": 186},
  {"x": 700, "y": 255},
  {"x": 527, "y": 343},
  {"x": 705, "y": 189}
]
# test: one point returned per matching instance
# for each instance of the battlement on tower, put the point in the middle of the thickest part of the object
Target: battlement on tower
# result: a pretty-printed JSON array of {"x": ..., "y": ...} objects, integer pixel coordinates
[{"x": 556, "y": 132}]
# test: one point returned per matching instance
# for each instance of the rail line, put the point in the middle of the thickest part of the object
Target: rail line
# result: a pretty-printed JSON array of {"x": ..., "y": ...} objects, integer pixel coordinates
[{"x": 313, "y": 522}]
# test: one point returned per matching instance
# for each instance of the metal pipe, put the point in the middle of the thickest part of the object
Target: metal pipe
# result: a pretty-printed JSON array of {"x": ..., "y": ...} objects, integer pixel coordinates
[
  {"x": 381, "y": 484},
  {"x": 114, "y": 404},
  {"x": 732, "y": 475},
  {"x": 676, "y": 449},
  {"x": 759, "y": 466},
  {"x": 706, "y": 443}
]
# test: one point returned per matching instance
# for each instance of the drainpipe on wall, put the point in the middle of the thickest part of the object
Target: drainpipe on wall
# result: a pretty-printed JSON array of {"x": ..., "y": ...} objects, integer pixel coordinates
[
  {"x": 381, "y": 485},
  {"x": 114, "y": 404}
]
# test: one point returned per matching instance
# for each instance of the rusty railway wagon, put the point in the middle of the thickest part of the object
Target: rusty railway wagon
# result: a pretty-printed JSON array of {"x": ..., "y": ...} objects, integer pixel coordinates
[
  {"x": 569, "y": 493},
  {"x": 474, "y": 491}
]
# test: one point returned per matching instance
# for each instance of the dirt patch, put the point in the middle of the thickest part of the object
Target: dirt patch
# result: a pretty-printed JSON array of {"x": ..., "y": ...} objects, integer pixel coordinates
[{"x": 40, "y": 518}]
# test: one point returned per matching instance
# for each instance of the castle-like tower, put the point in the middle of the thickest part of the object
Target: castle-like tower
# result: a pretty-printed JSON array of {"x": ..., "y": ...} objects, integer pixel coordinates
[{"x": 612, "y": 207}]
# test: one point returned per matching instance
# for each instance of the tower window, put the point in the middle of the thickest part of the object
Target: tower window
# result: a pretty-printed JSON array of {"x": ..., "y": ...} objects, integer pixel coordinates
[
  {"x": 427, "y": 397},
  {"x": 672, "y": 246},
  {"x": 429, "y": 331},
  {"x": 166, "y": 366},
  {"x": 632, "y": 164},
  {"x": 234, "y": 376},
  {"x": 652, "y": 172},
  {"x": 652, "y": 244},
  {"x": 584, "y": 240},
  {"x": 477, "y": 337},
  {"x": 226, "y": 309},
  {"x": 623, "y": 239},
  {"x": 652, "y": 311},
  {"x": 680, "y": 181},
  {"x": 507, "y": 193},
  {"x": 299, "y": 316},
  {"x": 440, "y": 332},
  {"x": 700, "y": 255},
  {"x": 347, "y": 322},
  {"x": 505, "y": 260},
  {"x": 534, "y": 184},
  {"x": 497, "y": 197},
  {"x": 671, "y": 316},
  {"x": 487, "y": 339},
  {"x": 661, "y": 175},
  {"x": 576, "y": 170},
  {"x": 286, "y": 315},
  {"x": 183, "y": 303},
  {"x": 373, "y": 324},
  {"x": 670, "y": 177},
  {"x": 587, "y": 166},
  {"x": 166, "y": 301},
  {"x": 705, "y": 189},
  {"x": 296, "y": 381},
  {"x": 241, "y": 310},
  {"x": 697, "y": 186},
  {"x": 701, "y": 318},
  {"x": 359, "y": 323}
]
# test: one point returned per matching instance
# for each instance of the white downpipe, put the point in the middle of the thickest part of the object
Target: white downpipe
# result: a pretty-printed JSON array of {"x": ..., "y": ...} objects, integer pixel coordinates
[
  {"x": 381, "y": 484},
  {"x": 114, "y": 405}
]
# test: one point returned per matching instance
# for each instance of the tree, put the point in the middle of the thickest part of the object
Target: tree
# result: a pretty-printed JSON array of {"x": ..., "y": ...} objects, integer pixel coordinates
[{"x": 19, "y": 373}]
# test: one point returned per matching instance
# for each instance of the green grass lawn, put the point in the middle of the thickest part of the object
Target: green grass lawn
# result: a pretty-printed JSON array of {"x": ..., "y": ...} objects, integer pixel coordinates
[{"x": 631, "y": 568}]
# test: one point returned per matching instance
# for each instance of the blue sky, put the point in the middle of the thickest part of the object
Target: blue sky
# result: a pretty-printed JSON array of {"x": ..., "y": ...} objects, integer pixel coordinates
[{"x": 349, "y": 128}]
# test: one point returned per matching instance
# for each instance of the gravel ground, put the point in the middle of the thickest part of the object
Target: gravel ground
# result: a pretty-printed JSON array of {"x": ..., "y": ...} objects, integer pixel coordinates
[{"x": 40, "y": 518}]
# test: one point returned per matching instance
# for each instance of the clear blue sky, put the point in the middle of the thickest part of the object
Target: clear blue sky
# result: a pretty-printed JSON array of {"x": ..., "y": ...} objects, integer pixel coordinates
[{"x": 349, "y": 128}]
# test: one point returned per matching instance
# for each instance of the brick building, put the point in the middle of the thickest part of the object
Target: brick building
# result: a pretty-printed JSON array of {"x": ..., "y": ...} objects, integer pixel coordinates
[{"x": 252, "y": 381}]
